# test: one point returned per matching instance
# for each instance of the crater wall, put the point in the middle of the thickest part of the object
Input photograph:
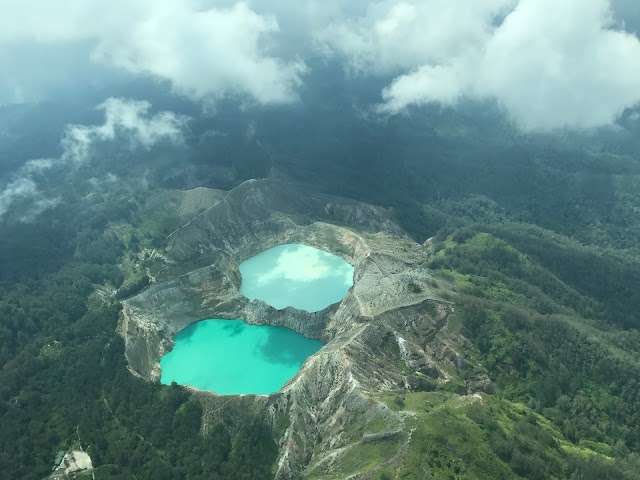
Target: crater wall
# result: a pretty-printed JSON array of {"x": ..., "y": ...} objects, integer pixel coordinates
[{"x": 390, "y": 332}]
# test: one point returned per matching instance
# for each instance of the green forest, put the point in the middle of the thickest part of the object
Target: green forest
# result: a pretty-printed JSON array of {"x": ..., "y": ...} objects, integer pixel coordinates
[{"x": 537, "y": 234}]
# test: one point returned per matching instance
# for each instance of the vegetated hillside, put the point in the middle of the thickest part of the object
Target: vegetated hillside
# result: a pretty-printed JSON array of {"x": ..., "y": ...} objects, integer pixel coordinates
[{"x": 539, "y": 244}]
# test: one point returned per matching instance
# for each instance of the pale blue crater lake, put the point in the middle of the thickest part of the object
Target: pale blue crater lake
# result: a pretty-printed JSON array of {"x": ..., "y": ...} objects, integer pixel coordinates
[
  {"x": 297, "y": 276},
  {"x": 232, "y": 357}
]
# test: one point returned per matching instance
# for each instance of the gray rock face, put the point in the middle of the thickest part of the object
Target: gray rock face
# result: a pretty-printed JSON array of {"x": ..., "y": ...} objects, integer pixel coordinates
[{"x": 389, "y": 333}]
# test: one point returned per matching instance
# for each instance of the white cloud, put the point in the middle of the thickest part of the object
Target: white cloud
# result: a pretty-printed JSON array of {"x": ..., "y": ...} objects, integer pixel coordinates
[
  {"x": 15, "y": 190},
  {"x": 549, "y": 63},
  {"x": 108, "y": 180},
  {"x": 555, "y": 64},
  {"x": 206, "y": 52},
  {"x": 38, "y": 165},
  {"x": 39, "y": 206},
  {"x": 397, "y": 35},
  {"x": 126, "y": 121},
  {"x": 130, "y": 119}
]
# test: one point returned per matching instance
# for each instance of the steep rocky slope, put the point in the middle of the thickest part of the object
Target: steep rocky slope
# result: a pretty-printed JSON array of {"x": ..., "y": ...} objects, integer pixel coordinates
[{"x": 391, "y": 332}]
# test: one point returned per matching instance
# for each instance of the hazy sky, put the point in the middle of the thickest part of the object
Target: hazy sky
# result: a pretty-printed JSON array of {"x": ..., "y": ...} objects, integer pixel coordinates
[{"x": 548, "y": 63}]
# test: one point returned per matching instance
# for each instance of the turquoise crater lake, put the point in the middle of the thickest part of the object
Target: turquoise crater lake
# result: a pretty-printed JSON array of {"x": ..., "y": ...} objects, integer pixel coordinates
[
  {"x": 232, "y": 357},
  {"x": 297, "y": 276}
]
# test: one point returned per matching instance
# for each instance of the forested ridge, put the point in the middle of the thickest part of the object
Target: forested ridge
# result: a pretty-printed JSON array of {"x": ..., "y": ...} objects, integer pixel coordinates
[
  {"x": 538, "y": 238},
  {"x": 64, "y": 380}
]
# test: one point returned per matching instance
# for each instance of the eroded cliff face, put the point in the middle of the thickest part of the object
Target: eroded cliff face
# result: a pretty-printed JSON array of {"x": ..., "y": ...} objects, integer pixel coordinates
[{"x": 389, "y": 333}]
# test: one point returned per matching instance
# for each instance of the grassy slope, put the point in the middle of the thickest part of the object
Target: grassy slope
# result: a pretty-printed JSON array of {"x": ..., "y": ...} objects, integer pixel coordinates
[{"x": 448, "y": 436}]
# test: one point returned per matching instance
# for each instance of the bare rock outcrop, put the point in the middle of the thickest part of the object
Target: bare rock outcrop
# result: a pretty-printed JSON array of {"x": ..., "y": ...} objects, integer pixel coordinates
[{"x": 389, "y": 333}]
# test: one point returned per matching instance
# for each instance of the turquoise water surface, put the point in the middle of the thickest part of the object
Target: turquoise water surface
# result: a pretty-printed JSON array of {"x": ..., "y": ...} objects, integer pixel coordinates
[
  {"x": 232, "y": 357},
  {"x": 296, "y": 275}
]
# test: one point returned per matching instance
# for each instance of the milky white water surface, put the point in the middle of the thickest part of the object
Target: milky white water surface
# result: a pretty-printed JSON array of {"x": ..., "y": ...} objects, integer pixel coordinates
[{"x": 296, "y": 275}]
